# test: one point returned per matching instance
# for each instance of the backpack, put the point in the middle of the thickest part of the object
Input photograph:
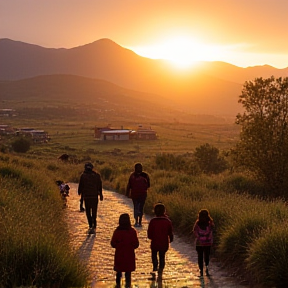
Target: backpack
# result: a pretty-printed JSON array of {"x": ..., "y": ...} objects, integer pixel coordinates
[{"x": 205, "y": 236}]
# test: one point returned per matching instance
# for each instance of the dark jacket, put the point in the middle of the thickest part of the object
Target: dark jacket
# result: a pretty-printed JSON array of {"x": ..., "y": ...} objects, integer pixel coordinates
[
  {"x": 90, "y": 185},
  {"x": 138, "y": 184},
  {"x": 125, "y": 241},
  {"x": 160, "y": 232}
]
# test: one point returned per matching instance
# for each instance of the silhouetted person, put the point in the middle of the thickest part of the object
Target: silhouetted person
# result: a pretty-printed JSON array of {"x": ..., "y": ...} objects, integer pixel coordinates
[
  {"x": 90, "y": 188},
  {"x": 125, "y": 241},
  {"x": 137, "y": 188},
  {"x": 160, "y": 232}
]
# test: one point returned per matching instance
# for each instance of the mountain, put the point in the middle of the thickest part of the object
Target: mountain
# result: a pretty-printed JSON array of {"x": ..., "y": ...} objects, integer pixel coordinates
[{"x": 208, "y": 88}]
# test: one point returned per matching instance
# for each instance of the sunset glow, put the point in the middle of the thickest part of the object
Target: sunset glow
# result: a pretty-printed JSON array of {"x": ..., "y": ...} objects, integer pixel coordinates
[
  {"x": 183, "y": 52},
  {"x": 183, "y": 31}
]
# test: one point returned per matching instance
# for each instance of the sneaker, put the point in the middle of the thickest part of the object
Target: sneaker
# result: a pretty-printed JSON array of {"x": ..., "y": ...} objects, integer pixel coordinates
[
  {"x": 136, "y": 225},
  {"x": 207, "y": 271},
  {"x": 201, "y": 273},
  {"x": 82, "y": 209},
  {"x": 93, "y": 231}
]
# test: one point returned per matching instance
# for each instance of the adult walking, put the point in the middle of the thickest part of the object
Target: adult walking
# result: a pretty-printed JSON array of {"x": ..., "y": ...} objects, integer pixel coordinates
[
  {"x": 137, "y": 188},
  {"x": 90, "y": 188}
]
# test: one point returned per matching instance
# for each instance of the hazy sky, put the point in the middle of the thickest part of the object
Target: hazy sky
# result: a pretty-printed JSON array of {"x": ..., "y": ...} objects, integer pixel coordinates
[{"x": 241, "y": 32}]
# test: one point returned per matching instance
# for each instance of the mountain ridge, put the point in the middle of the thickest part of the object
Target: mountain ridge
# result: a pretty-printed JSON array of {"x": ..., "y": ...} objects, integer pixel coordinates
[{"x": 209, "y": 87}]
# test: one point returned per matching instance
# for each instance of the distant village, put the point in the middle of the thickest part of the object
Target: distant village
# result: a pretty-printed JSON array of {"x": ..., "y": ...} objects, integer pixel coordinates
[{"x": 100, "y": 133}]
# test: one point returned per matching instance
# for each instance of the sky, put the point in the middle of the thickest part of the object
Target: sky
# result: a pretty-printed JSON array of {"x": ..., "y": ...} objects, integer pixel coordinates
[{"x": 241, "y": 32}]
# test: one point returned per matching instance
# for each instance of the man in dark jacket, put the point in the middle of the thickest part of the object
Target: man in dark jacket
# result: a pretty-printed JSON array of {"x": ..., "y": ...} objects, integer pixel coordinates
[
  {"x": 137, "y": 187},
  {"x": 90, "y": 188}
]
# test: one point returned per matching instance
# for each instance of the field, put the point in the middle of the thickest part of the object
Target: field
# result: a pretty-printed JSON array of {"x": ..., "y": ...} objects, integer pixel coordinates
[{"x": 245, "y": 222}]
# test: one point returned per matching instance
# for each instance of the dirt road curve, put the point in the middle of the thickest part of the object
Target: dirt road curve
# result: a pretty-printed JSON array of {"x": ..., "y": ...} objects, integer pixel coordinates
[{"x": 181, "y": 261}]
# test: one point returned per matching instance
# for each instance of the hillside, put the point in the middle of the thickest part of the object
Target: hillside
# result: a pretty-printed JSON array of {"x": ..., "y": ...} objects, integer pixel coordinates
[
  {"x": 49, "y": 96},
  {"x": 208, "y": 88}
]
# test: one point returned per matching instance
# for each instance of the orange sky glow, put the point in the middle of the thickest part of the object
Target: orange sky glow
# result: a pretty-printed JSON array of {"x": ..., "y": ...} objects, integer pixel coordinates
[{"x": 244, "y": 33}]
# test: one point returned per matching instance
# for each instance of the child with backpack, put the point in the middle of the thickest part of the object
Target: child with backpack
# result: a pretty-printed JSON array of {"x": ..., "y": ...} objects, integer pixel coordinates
[
  {"x": 203, "y": 231},
  {"x": 64, "y": 191}
]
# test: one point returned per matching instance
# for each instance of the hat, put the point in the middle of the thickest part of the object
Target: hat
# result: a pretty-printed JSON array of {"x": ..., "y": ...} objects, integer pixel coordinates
[{"x": 88, "y": 166}]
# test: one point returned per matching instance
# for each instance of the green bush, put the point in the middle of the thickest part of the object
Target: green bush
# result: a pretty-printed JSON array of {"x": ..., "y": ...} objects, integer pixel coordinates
[
  {"x": 209, "y": 159},
  {"x": 21, "y": 145},
  {"x": 267, "y": 262},
  {"x": 106, "y": 172}
]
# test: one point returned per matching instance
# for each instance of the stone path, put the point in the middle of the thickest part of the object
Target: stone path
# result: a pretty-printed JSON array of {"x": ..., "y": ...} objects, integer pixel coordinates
[{"x": 181, "y": 268}]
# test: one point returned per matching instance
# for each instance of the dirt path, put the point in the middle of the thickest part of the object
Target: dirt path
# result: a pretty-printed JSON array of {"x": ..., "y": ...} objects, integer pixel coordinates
[{"x": 181, "y": 268}]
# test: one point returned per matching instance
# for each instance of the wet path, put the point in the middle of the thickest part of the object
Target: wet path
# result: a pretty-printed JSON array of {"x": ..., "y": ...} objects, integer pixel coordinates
[{"x": 181, "y": 268}]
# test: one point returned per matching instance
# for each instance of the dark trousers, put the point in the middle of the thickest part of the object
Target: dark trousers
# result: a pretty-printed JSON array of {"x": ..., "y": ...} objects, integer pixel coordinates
[
  {"x": 203, "y": 253},
  {"x": 138, "y": 204},
  {"x": 154, "y": 254},
  {"x": 127, "y": 278},
  {"x": 91, "y": 205}
]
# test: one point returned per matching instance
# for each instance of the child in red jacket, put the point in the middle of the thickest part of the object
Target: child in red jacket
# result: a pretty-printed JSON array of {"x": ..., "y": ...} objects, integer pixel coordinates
[
  {"x": 125, "y": 241},
  {"x": 160, "y": 232}
]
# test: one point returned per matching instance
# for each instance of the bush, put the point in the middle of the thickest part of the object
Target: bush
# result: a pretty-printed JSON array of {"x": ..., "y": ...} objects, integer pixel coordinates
[
  {"x": 268, "y": 257},
  {"x": 21, "y": 145},
  {"x": 209, "y": 159}
]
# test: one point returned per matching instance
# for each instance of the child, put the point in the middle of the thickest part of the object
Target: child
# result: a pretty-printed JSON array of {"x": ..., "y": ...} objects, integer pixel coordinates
[
  {"x": 125, "y": 241},
  {"x": 160, "y": 232},
  {"x": 64, "y": 191},
  {"x": 203, "y": 231}
]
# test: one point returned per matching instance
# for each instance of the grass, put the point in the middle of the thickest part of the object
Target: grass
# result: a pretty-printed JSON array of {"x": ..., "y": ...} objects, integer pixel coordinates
[
  {"x": 250, "y": 236},
  {"x": 34, "y": 247}
]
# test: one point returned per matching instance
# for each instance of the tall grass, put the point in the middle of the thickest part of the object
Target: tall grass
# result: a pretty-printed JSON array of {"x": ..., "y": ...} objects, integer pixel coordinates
[
  {"x": 250, "y": 234},
  {"x": 35, "y": 249}
]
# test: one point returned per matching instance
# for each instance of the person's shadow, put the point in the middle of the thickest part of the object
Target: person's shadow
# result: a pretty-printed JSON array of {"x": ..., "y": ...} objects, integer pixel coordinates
[{"x": 87, "y": 246}]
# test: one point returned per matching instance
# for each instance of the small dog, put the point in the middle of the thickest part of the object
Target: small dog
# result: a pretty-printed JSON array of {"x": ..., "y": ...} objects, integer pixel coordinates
[{"x": 64, "y": 191}]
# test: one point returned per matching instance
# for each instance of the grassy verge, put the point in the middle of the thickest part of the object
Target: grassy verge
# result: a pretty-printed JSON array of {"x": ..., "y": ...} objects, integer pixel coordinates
[
  {"x": 35, "y": 248},
  {"x": 250, "y": 237}
]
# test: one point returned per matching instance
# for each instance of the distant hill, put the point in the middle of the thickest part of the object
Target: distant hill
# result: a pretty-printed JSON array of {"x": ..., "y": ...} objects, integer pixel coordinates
[
  {"x": 208, "y": 88},
  {"x": 46, "y": 96}
]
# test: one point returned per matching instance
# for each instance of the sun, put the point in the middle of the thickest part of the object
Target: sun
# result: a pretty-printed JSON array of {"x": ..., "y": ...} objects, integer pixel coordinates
[{"x": 182, "y": 51}]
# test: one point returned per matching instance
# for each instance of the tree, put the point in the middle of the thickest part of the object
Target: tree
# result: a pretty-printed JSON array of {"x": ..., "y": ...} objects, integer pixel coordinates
[
  {"x": 209, "y": 160},
  {"x": 21, "y": 145},
  {"x": 263, "y": 144}
]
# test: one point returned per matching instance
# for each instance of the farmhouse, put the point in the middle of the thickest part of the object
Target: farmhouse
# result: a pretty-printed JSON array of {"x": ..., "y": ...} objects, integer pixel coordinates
[
  {"x": 145, "y": 134},
  {"x": 37, "y": 136},
  {"x": 7, "y": 112},
  {"x": 107, "y": 133},
  {"x": 6, "y": 129}
]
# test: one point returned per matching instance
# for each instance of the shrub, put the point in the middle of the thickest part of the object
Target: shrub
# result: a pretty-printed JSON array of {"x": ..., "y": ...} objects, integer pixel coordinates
[
  {"x": 106, "y": 172},
  {"x": 268, "y": 257},
  {"x": 21, "y": 145},
  {"x": 209, "y": 160}
]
